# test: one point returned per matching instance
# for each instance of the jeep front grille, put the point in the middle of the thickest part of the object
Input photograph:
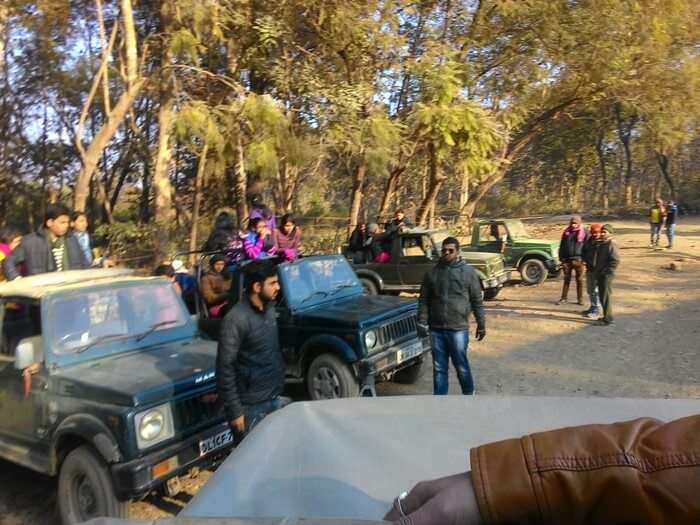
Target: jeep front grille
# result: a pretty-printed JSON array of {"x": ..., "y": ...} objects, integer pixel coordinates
[
  {"x": 193, "y": 412},
  {"x": 396, "y": 330}
]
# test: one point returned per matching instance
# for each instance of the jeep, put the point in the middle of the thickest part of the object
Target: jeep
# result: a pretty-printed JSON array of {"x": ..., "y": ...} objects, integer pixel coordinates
[
  {"x": 535, "y": 259},
  {"x": 414, "y": 252},
  {"x": 105, "y": 384},
  {"x": 336, "y": 340}
]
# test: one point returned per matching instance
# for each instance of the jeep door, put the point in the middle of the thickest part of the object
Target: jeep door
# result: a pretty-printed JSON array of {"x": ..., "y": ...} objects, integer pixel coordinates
[
  {"x": 21, "y": 421},
  {"x": 415, "y": 259}
]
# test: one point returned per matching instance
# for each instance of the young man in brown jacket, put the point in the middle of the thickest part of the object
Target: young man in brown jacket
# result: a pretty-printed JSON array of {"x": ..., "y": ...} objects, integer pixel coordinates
[{"x": 641, "y": 472}]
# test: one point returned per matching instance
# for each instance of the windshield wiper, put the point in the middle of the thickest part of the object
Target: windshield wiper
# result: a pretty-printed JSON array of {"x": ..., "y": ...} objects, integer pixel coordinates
[
  {"x": 314, "y": 294},
  {"x": 342, "y": 287},
  {"x": 153, "y": 328},
  {"x": 99, "y": 339}
]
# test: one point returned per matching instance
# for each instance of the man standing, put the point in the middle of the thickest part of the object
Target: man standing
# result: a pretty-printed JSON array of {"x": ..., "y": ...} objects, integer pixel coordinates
[
  {"x": 50, "y": 249},
  {"x": 398, "y": 223},
  {"x": 671, "y": 215},
  {"x": 657, "y": 214},
  {"x": 604, "y": 261},
  {"x": 450, "y": 291},
  {"x": 591, "y": 283},
  {"x": 570, "y": 248},
  {"x": 250, "y": 367}
]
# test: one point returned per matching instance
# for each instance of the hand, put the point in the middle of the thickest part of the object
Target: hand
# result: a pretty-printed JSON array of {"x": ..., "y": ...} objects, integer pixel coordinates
[
  {"x": 265, "y": 232},
  {"x": 423, "y": 330},
  {"x": 238, "y": 424},
  {"x": 480, "y": 334},
  {"x": 444, "y": 501}
]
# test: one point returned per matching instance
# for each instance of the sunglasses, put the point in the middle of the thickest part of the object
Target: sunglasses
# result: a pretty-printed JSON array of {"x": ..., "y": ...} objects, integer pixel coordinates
[{"x": 449, "y": 250}]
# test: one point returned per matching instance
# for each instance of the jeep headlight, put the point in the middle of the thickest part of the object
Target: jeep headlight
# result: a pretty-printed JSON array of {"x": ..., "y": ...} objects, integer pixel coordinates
[
  {"x": 154, "y": 425},
  {"x": 370, "y": 339}
]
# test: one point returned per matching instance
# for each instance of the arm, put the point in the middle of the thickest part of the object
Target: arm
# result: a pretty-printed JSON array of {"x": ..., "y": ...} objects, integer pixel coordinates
[
  {"x": 643, "y": 471},
  {"x": 229, "y": 345},
  {"x": 253, "y": 249},
  {"x": 477, "y": 302},
  {"x": 614, "y": 258},
  {"x": 423, "y": 300},
  {"x": 561, "y": 246},
  {"x": 10, "y": 263}
]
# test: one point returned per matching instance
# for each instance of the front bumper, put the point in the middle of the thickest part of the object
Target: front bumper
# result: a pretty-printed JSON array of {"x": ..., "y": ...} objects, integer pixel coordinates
[
  {"x": 553, "y": 265},
  {"x": 135, "y": 478},
  {"x": 394, "y": 358},
  {"x": 498, "y": 281}
]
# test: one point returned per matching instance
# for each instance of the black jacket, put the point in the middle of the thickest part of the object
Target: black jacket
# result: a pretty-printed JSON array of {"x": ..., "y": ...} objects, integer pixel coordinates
[
  {"x": 448, "y": 294},
  {"x": 249, "y": 364},
  {"x": 570, "y": 247},
  {"x": 357, "y": 240},
  {"x": 35, "y": 253},
  {"x": 587, "y": 252},
  {"x": 605, "y": 258}
]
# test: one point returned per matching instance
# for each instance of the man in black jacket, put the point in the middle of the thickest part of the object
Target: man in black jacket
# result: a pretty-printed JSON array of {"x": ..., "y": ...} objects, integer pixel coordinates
[
  {"x": 570, "y": 249},
  {"x": 250, "y": 367},
  {"x": 50, "y": 249},
  {"x": 604, "y": 261},
  {"x": 450, "y": 291}
]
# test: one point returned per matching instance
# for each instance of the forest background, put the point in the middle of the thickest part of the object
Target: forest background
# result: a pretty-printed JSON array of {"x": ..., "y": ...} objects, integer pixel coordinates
[{"x": 153, "y": 116}]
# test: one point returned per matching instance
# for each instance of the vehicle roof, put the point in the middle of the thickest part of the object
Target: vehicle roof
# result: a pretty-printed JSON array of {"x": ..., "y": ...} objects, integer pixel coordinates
[
  {"x": 499, "y": 220},
  {"x": 38, "y": 286}
]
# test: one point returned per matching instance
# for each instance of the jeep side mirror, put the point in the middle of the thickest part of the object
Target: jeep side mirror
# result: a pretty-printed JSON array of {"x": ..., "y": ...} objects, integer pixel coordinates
[{"x": 28, "y": 352}]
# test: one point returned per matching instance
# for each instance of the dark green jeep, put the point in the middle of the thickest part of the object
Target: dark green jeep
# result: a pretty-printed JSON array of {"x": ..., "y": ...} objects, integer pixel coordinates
[
  {"x": 535, "y": 259},
  {"x": 414, "y": 252},
  {"x": 106, "y": 384},
  {"x": 337, "y": 340}
]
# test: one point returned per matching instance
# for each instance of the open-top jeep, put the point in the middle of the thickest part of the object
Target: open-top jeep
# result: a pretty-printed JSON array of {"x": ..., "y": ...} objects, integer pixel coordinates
[
  {"x": 414, "y": 252},
  {"x": 335, "y": 339},
  {"x": 535, "y": 259},
  {"x": 105, "y": 383}
]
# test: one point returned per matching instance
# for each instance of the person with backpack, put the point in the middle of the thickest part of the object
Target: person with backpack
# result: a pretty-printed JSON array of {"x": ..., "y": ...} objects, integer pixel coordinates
[{"x": 657, "y": 215}]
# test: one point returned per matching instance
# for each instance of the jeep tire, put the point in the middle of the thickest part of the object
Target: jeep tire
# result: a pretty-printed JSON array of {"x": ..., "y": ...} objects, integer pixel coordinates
[
  {"x": 409, "y": 375},
  {"x": 329, "y": 378},
  {"x": 369, "y": 286},
  {"x": 85, "y": 489},
  {"x": 533, "y": 271}
]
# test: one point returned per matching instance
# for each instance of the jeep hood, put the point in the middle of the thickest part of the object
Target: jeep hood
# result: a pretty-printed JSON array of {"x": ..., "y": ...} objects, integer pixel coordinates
[
  {"x": 142, "y": 377},
  {"x": 358, "y": 311},
  {"x": 479, "y": 258},
  {"x": 537, "y": 244}
]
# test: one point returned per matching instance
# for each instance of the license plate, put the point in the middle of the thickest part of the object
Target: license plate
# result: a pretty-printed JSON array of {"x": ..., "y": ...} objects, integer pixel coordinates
[
  {"x": 216, "y": 442},
  {"x": 408, "y": 352}
]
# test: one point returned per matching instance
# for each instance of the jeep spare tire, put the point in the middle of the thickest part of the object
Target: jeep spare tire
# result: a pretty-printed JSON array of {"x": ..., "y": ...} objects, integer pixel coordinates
[
  {"x": 85, "y": 489},
  {"x": 369, "y": 286},
  {"x": 329, "y": 378},
  {"x": 533, "y": 271}
]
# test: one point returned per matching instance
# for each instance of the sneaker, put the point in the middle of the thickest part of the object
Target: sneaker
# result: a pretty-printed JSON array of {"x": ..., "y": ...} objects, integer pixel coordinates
[
  {"x": 593, "y": 314},
  {"x": 587, "y": 311},
  {"x": 579, "y": 302},
  {"x": 604, "y": 322},
  {"x": 561, "y": 301}
]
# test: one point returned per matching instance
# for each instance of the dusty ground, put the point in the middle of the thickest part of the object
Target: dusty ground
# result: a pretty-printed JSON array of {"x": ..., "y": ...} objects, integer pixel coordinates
[{"x": 532, "y": 348}]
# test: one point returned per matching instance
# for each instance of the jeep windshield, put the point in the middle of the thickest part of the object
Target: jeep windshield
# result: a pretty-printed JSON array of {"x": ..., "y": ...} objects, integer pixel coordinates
[
  {"x": 516, "y": 230},
  {"x": 83, "y": 320},
  {"x": 311, "y": 281}
]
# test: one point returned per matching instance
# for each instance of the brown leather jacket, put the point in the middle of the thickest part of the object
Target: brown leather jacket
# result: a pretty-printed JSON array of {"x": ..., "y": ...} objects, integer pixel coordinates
[
  {"x": 641, "y": 472},
  {"x": 215, "y": 288}
]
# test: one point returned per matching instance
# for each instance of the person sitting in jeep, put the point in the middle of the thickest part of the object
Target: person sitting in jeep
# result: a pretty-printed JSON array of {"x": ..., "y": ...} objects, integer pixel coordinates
[
  {"x": 379, "y": 243},
  {"x": 216, "y": 285}
]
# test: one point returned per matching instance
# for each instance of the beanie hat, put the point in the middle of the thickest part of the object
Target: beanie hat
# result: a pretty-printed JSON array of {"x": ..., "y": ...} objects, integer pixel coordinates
[
  {"x": 216, "y": 258},
  {"x": 595, "y": 228},
  {"x": 609, "y": 228}
]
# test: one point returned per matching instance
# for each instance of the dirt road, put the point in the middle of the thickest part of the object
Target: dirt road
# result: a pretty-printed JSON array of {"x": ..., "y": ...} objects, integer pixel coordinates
[{"x": 533, "y": 347}]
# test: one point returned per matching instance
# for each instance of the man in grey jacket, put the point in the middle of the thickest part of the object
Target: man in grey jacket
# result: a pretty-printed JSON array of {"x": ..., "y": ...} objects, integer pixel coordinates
[{"x": 450, "y": 291}]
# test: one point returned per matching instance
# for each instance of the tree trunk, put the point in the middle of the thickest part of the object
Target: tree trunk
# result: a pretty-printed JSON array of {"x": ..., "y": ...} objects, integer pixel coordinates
[
  {"x": 624, "y": 131},
  {"x": 464, "y": 190},
  {"x": 664, "y": 166},
  {"x": 197, "y": 201},
  {"x": 240, "y": 183},
  {"x": 162, "y": 188},
  {"x": 357, "y": 187},
  {"x": 604, "y": 190},
  {"x": 391, "y": 188},
  {"x": 436, "y": 181}
]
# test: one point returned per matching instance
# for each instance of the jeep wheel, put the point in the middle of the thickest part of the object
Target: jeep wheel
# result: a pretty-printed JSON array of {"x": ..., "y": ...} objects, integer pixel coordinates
[
  {"x": 85, "y": 489},
  {"x": 491, "y": 293},
  {"x": 409, "y": 375},
  {"x": 329, "y": 378},
  {"x": 369, "y": 286},
  {"x": 533, "y": 271}
]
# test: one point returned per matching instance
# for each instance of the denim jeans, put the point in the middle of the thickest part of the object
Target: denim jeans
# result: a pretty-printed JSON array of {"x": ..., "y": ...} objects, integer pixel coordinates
[
  {"x": 655, "y": 233},
  {"x": 592, "y": 289},
  {"x": 451, "y": 344},
  {"x": 254, "y": 414},
  {"x": 670, "y": 233}
]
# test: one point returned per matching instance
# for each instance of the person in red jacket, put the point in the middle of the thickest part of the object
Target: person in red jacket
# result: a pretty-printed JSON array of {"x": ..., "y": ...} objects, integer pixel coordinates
[{"x": 641, "y": 472}]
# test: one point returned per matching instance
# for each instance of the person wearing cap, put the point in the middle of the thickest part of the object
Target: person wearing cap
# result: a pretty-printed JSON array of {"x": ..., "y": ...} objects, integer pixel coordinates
[
  {"x": 657, "y": 216},
  {"x": 570, "y": 249},
  {"x": 216, "y": 285},
  {"x": 604, "y": 262},
  {"x": 591, "y": 283}
]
